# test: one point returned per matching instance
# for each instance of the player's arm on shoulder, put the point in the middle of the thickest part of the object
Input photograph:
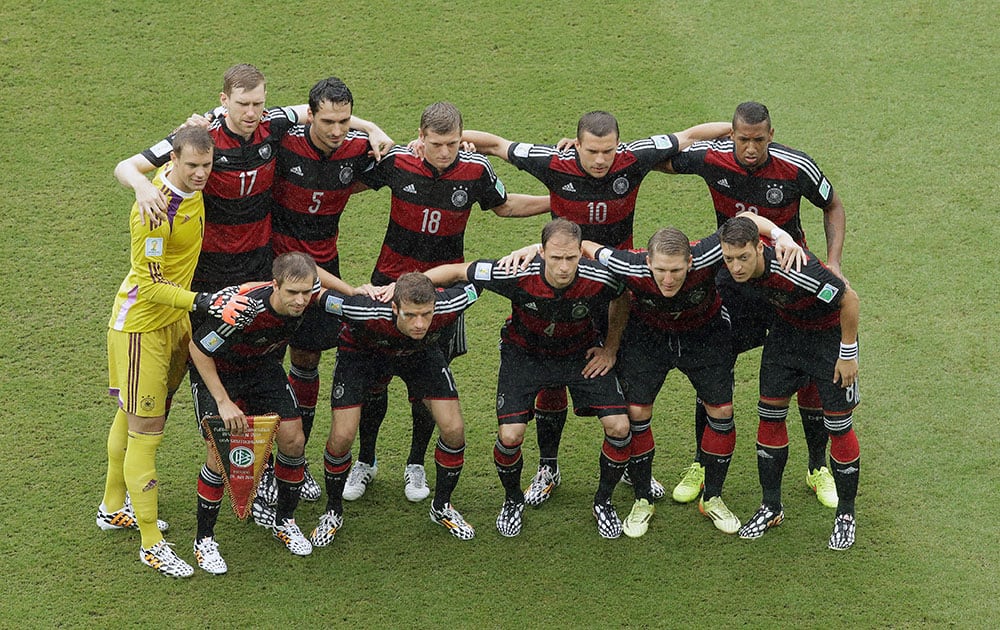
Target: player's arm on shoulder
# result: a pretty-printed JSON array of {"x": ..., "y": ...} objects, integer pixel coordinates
[
  {"x": 447, "y": 275},
  {"x": 704, "y": 131},
  {"x": 790, "y": 254},
  {"x": 835, "y": 226},
  {"x": 518, "y": 205},
  {"x": 152, "y": 203},
  {"x": 232, "y": 416},
  {"x": 487, "y": 143},
  {"x": 378, "y": 139},
  {"x": 519, "y": 259}
]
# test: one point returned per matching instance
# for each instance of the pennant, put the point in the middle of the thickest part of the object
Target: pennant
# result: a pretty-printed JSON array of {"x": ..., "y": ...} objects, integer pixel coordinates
[{"x": 242, "y": 457}]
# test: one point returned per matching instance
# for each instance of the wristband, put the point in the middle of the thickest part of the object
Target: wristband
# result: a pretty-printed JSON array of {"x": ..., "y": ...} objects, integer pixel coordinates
[
  {"x": 849, "y": 351},
  {"x": 777, "y": 232}
]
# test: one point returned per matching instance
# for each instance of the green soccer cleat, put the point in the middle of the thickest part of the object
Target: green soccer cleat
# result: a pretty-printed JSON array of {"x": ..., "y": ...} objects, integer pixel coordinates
[
  {"x": 821, "y": 482},
  {"x": 722, "y": 517},
  {"x": 691, "y": 484},
  {"x": 637, "y": 521}
]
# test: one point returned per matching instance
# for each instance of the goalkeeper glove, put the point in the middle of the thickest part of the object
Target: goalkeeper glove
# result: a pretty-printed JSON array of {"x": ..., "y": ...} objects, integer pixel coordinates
[{"x": 228, "y": 305}]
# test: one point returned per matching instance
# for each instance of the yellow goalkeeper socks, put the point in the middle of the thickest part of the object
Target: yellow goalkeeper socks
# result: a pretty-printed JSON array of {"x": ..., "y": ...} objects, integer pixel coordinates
[
  {"x": 143, "y": 485},
  {"x": 114, "y": 484}
]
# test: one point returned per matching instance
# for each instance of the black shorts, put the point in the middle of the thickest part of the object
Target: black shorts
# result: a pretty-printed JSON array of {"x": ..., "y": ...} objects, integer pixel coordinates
[
  {"x": 317, "y": 332},
  {"x": 750, "y": 315},
  {"x": 426, "y": 374},
  {"x": 261, "y": 391},
  {"x": 522, "y": 375},
  {"x": 705, "y": 356},
  {"x": 792, "y": 358}
]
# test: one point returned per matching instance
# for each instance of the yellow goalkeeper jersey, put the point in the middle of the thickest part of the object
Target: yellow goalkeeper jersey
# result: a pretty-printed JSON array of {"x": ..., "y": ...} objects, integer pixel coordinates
[{"x": 156, "y": 292}]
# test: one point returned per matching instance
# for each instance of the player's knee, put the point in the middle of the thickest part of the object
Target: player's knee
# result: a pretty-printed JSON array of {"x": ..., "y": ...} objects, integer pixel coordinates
[
  {"x": 616, "y": 426},
  {"x": 511, "y": 433}
]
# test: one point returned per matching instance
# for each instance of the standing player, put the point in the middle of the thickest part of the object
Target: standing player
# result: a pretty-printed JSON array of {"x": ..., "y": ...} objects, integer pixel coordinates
[
  {"x": 814, "y": 337},
  {"x": 594, "y": 183},
  {"x": 148, "y": 345},
  {"x": 378, "y": 342},
  {"x": 432, "y": 198},
  {"x": 237, "y": 241},
  {"x": 750, "y": 172},
  {"x": 317, "y": 169},
  {"x": 550, "y": 340},
  {"x": 676, "y": 319},
  {"x": 246, "y": 366}
]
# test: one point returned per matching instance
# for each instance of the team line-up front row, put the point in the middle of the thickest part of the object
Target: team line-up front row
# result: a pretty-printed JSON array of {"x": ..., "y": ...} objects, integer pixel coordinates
[{"x": 588, "y": 312}]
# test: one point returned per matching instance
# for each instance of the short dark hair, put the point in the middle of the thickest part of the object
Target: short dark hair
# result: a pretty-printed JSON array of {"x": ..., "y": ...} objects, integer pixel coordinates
[
  {"x": 330, "y": 90},
  {"x": 598, "y": 123},
  {"x": 441, "y": 118},
  {"x": 739, "y": 231},
  {"x": 752, "y": 113},
  {"x": 193, "y": 137},
  {"x": 242, "y": 76},
  {"x": 561, "y": 226},
  {"x": 293, "y": 266},
  {"x": 669, "y": 241},
  {"x": 413, "y": 288}
]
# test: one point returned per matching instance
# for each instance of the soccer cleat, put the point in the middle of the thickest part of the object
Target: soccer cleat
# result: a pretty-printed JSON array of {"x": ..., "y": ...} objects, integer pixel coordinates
[
  {"x": 161, "y": 557},
  {"x": 822, "y": 483},
  {"x": 656, "y": 489},
  {"x": 510, "y": 518},
  {"x": 608, "y": 524},
  {"x": 267, "y": 489},
  {"x": 358, "y": 479},
  {"x": 206, "y": 552},
  {"x": 310, "y": 490},
  {"x": 637, "y": 521},
  {"x": 691, "y": 484},
  {"x": 453, "y": 522},
  {"x": 764, "y": 519},
  {"x": 329, "y": 524},
  {"x": 290, "y": 534},
  {"x": 843, "y": 532},
  {"x": 263, "y": 514},
  {"x": 722, "y": 517},
  {"x": 123, "y": 518},
  {"x": 542, "y": 485},
  {"x": 416, "y": 489}
]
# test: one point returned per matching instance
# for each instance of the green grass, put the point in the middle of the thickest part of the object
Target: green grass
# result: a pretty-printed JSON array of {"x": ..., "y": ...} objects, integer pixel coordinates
[{"x": 895, "y": 100}]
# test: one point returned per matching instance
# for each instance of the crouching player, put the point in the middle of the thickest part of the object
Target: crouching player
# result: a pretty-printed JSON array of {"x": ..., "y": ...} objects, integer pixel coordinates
[
  {"x": 246, "y": 365},
  {"x": 815, "y": 336},
  {"x": 552, "y": 340},
  {"x": 676, "y": 320},
  {"x": 377, "y": 342}
]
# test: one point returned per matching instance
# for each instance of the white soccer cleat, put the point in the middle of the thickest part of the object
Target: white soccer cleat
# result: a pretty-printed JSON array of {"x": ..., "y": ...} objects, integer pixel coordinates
[
  {"x": 161, "y": 557},
  {"x": 206, "y": 552},
  {"x": 329, "y": 524},
  {"x": 452, "y": 520},
  {"x": 123, "y": 518},
  {"x": 358, "y": 479},
  {"x": 416, "y": 489},
  {"x": 290, "y": 534},
  {"x": 542, "y": 485},
  {"x": 310, "y": 490}
]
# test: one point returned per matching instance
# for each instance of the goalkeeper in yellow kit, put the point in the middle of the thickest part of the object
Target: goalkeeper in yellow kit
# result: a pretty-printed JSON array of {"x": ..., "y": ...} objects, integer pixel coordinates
[{"x": 148, "y": 338}]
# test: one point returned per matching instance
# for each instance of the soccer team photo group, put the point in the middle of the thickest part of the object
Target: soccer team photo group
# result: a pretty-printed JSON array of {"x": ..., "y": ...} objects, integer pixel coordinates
[{"x": 235, "y": 283}]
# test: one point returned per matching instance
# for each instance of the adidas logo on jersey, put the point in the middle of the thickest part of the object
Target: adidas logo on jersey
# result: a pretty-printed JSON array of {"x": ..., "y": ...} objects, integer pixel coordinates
[
  {"x": 297, "y": 170},
  {"x": 410, "y": 188},
  {"x": 531, "y": 305},
  {"x": 221, "y": 160},
  {"x": 569, "y": 187},
  {"x": 723, "y": 182}
]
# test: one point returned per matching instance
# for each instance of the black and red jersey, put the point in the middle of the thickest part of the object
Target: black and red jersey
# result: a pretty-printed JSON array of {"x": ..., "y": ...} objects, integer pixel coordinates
[
  {"x": 546, "y": 321},
  {"x": 694, "y": 306},
  {"x": 370, "y": 325},
  {"x": 772, "y": 191},
  {"x": 237, "y": 243},
  {"x": 604, "y": 208},
  {"x": 244, "y": 351},
  {"x": 430, "y": 209},
  {"x": 808, "y": 299},
  {"x": 310, "y": 191}
]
